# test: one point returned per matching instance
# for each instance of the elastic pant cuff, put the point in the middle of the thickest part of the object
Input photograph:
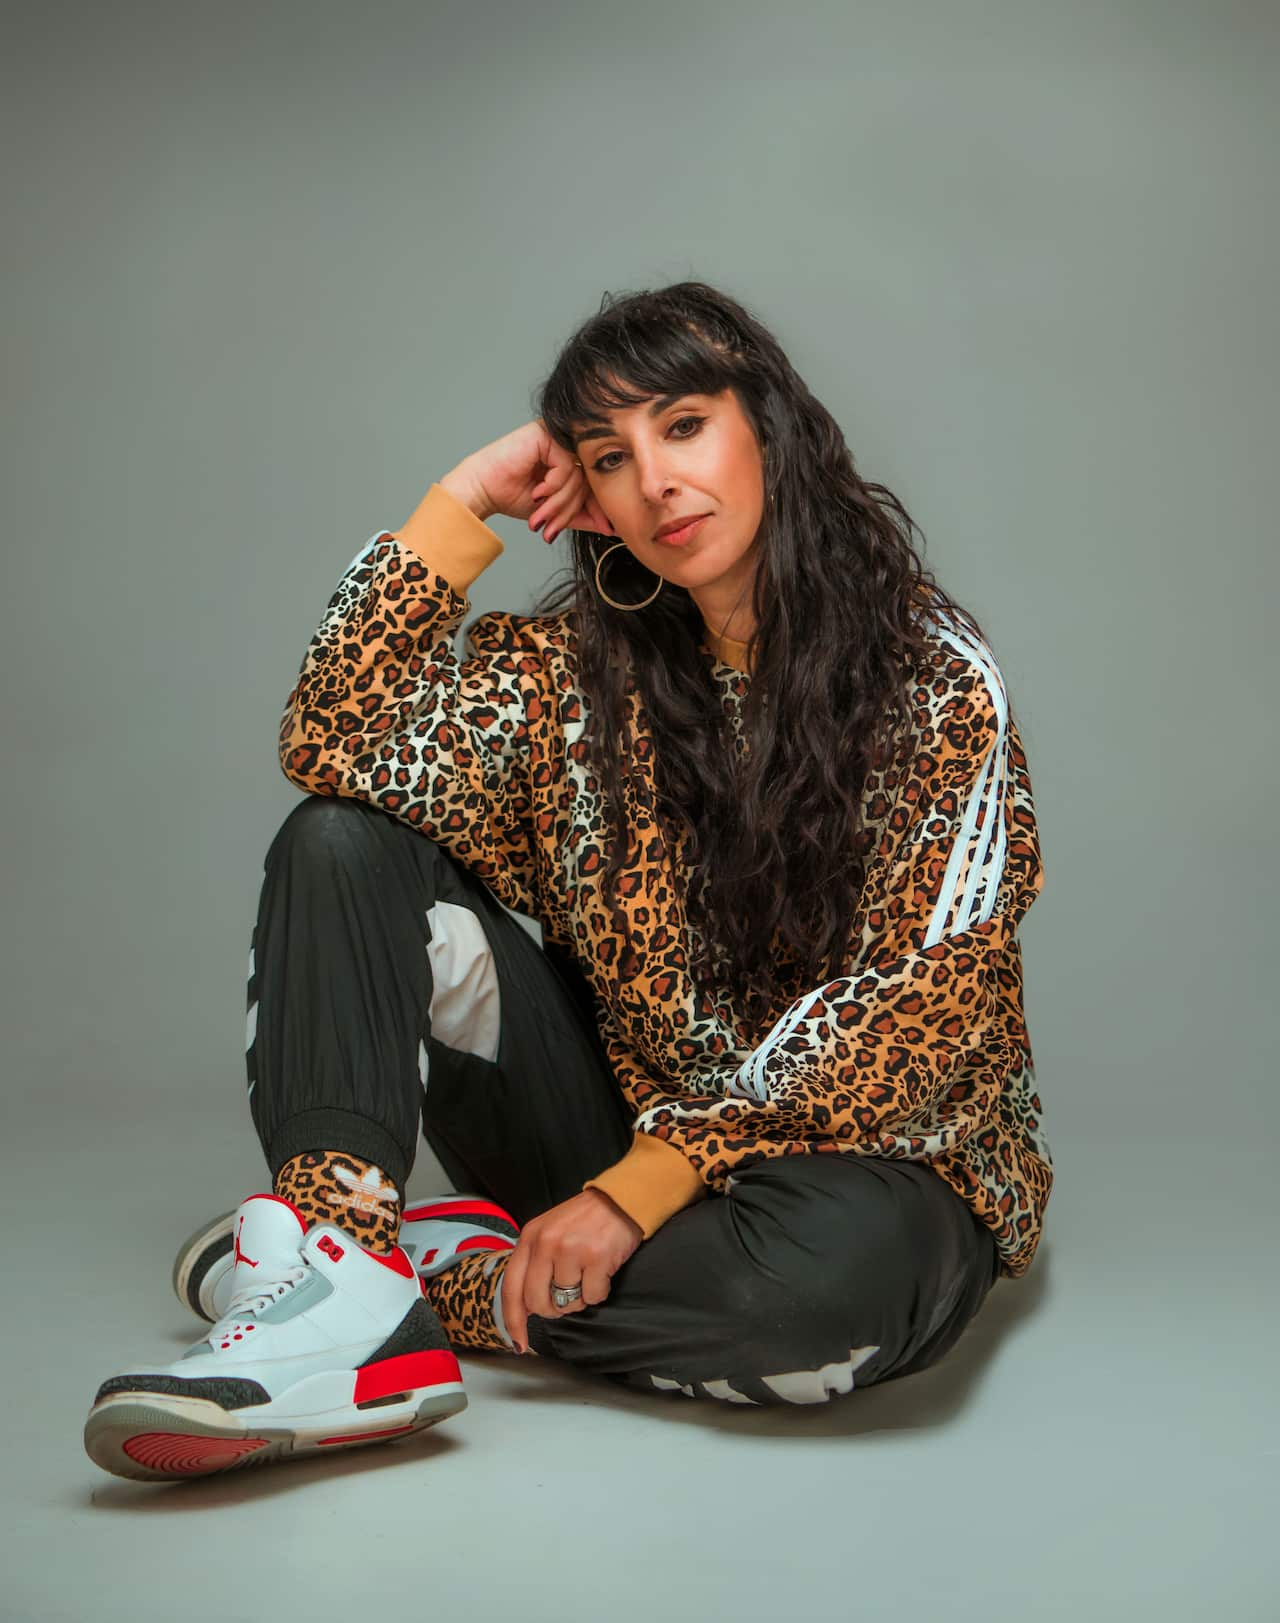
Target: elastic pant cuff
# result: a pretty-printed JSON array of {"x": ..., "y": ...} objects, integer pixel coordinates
[{"x": 340, "y": 1130}]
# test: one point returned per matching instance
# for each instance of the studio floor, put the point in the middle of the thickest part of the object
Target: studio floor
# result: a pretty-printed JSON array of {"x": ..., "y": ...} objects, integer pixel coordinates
[{"x": 1100, "y": 1444}]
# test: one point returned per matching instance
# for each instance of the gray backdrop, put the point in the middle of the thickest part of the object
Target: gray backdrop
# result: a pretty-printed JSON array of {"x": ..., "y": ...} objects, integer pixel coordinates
[{"x": 269, "y": 271}]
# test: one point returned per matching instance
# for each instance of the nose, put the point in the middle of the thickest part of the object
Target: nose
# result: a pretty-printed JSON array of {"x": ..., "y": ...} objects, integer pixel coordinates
[{"x": 657, "y": 482}]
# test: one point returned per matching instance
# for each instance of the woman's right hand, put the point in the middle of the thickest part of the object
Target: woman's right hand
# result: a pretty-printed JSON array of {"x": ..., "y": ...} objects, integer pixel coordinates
[{"x": 526, "y": 475}]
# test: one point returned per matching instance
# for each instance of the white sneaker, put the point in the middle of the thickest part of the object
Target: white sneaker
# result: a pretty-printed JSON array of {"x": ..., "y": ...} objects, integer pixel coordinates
[
  {"x": 323, "y": 1345},
  {"x": 434, "y": 1233}
]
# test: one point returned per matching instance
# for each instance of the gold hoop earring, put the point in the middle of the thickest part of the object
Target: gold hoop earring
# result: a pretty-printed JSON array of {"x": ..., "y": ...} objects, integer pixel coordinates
[
  {"x": 627, "y": 607},
  {"x": 605, "y": 595}
]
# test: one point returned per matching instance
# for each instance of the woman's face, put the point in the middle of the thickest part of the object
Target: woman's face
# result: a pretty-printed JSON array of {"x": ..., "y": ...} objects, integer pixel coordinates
[{"x": 672, "y": 458}]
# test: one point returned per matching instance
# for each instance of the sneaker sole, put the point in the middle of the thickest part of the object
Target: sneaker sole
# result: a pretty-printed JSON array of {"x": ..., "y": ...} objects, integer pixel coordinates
[
  {"x": 155, "y": 1437},
  {"x": 209, "y": 1244}
]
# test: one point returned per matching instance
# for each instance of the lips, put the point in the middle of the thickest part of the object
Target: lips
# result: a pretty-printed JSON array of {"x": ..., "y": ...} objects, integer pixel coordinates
[{"x": 685, "y": 532}]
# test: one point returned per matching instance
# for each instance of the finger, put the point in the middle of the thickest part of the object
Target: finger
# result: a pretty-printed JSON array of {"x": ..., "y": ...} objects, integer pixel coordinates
[
  {"x": 559, "y": 1270},
  {"x": 566, "y": 1274},
  {"x": 595, "y": 1285},
  {"x": 557, "y": 521},
  {"x": 588, "y": 516},
  {"x": 536, "y": 1295},
  {"x": 552, "y": 481},
  {"x": 572, "y": 1269},
  {"x": 555, "y": 504},
  {"x": 544, "y": 511},
  {"x": 576, "y": 514},
  {"x": 559, "y": 474},
  {"x": 512, "y": 1289}
]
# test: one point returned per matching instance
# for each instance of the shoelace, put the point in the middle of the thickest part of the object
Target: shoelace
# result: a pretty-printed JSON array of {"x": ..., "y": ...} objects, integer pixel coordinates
[{"x": 255, "y": 1298}]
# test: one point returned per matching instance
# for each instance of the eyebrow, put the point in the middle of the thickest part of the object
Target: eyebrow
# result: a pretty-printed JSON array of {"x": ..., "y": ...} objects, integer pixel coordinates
[{"x": 598, "y": 429}]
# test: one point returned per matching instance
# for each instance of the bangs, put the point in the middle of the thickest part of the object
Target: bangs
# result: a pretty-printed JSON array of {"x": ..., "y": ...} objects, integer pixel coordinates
[{"x": 627, "y": 365}]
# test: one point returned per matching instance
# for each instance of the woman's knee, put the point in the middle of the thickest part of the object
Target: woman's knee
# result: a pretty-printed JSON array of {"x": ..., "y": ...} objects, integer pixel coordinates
[
  {"x": 797, "y": 1238},
  {"x": 733, "y": 1280},
  {"x": 323, "y": 818},
  {"x": 842, "y": 1227},
  {"x": 325, "y": 828}
]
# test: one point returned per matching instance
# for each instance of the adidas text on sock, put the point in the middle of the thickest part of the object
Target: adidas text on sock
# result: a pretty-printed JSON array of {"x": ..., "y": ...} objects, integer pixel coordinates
[{"x": 331, "y": 1186}]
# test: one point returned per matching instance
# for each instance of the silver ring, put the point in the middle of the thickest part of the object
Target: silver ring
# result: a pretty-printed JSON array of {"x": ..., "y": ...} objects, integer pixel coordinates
[{"x": 562, "y": 1295}]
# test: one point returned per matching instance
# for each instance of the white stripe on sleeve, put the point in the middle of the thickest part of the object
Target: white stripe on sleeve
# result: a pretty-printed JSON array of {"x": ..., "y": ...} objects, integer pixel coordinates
[{"x": 956, "y": 909}]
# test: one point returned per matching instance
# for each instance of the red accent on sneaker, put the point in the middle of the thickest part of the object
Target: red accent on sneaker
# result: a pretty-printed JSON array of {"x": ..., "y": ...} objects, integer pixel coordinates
[
  {"x": 330, "y": 1247},
  {"x": 486, "y": 1242},
  {"x": 430, "y": 1257},
  {"x": 458, "y": 1208},
  {"x": 239, "y": 1255},
  {"x": 410, "y": 1372},
  {"x": 364, "y": 1436},
  {"x": 397, "y": 1261},
  {"x": 179, "y": 1453}
]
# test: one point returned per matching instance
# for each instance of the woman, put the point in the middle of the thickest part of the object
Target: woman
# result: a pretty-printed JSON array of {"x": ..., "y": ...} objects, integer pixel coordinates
[{"x": 758, "y": 1119}]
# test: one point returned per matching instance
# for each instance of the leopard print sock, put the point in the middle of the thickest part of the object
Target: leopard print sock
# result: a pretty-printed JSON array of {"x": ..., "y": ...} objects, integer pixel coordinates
[
  {"x": 330, "y": 1186},
  {"x": 468, "y": 1301}
]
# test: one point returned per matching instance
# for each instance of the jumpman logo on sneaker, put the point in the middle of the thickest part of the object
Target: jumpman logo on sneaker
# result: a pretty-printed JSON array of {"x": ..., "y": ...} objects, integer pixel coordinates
[{"x": 240, "y": 1256}]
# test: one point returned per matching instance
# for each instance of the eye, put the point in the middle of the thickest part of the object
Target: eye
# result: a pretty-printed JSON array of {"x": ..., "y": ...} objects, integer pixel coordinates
[{"x": 599, "y": 466}]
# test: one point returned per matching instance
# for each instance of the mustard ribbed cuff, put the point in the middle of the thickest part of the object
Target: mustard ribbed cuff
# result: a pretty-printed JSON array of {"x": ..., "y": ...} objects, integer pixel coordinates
[
  {"x": 651, "y": 1183},
  {"x": 448, "y": 536}
]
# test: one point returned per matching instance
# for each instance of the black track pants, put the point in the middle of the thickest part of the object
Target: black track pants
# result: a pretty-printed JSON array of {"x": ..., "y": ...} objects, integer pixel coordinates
[{"x": 388, "y": 987}]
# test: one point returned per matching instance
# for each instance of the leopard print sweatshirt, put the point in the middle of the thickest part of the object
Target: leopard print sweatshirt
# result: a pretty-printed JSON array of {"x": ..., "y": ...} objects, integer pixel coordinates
[{"x": 919, "y": 1052}]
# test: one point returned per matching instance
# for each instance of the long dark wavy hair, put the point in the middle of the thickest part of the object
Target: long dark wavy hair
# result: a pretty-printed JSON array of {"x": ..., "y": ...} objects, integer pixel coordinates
[{"x": 773, "y": 853}]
